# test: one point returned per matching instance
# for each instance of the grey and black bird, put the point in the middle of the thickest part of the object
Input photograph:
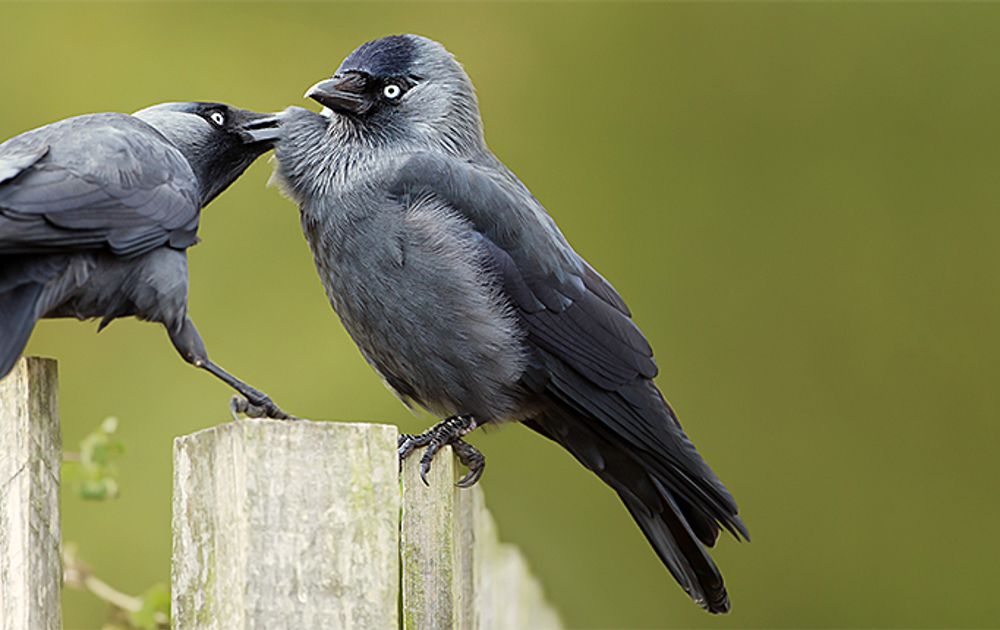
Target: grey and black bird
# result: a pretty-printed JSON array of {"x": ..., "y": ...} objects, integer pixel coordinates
[
  {"x": 463, "y": 294},
  {"x": 97, "y": 213}
]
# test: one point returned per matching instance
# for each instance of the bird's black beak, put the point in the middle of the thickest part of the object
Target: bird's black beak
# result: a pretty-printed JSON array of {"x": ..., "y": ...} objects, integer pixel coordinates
[
  {"x": 260, "y": 128},
  {"x": 347, "y": 93}
]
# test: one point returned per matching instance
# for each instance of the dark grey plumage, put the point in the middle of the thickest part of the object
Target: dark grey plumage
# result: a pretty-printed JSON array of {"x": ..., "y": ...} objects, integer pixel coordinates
[
  {"x": 461, "y": 291},
  {"x": 97, "y": 212}
]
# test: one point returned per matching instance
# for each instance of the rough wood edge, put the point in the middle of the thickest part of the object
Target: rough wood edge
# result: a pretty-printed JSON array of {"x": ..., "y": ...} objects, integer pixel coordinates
[
  {"x": 456, "y": 573},
  {"x": 30, "y": 456},
  {"x": 430, "y": 556}
]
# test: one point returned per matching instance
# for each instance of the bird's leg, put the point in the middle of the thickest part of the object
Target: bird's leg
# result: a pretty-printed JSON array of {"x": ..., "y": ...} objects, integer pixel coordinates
[
  {"x": 254, "y": 403},
  {"x": 447, "y": 432}
]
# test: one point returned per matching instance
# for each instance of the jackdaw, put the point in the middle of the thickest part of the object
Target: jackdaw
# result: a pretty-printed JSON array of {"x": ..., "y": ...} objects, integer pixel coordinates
[
  {"x": 97, "y": 213},
  {"x": 462, "y": 293}
]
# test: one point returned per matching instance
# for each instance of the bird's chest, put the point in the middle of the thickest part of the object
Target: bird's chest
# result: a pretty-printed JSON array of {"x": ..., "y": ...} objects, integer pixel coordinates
[
  {"x": 357, "y": 253},
  {"x": 409, "y": 283}
]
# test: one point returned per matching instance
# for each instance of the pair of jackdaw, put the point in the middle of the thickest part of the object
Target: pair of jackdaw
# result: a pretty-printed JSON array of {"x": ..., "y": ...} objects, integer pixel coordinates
[{"x": 449, "y": 275}]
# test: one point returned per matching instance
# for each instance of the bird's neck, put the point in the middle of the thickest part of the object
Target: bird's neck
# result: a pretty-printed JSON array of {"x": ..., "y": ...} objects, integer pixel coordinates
[{"x": 463, "y": 141}]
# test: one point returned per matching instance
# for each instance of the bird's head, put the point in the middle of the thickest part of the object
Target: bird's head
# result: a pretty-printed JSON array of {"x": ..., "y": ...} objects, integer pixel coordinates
[
  {"x": 219, "y": 141},
  {"x": 404, "y": 88}
]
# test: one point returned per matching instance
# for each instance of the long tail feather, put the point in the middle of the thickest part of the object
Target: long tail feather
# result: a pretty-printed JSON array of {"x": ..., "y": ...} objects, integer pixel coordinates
[
  {"x": 675, "y": 543},
  {"x": 677, "y": 531},
  {"x": 18, "y": 315}
]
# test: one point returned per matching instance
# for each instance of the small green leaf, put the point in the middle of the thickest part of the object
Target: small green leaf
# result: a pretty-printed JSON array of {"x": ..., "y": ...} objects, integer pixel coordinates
[
  {"x": 155, "y": 602},
  {"x": 94, "y": 476}
]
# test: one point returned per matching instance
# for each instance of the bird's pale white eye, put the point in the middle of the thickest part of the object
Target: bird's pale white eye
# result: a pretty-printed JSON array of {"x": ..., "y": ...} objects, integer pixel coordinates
[
  {"x": 218, "y": 118},
  {"x": 392, "y": 91}
]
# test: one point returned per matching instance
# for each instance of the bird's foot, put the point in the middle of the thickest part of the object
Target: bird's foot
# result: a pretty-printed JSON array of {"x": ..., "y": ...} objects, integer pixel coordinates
[
  {"x": 447, "y": 432},
  {"x": 472, "y": 459},
  {"x": 257, "y": 407}
]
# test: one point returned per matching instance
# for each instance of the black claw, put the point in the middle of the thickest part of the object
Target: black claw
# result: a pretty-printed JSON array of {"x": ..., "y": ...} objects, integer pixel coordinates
[
  {"x": 447, "y": 432},
  {"x": 428, "y": 459},
  {"x": 472, "y": 459},
  {"x": 470, "y": 479}
]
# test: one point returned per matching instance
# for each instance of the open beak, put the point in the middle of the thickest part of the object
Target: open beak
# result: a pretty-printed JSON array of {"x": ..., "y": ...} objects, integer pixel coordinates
[
  {"x": 261, "y": 128},
  {"x": 343, "y": 93}
]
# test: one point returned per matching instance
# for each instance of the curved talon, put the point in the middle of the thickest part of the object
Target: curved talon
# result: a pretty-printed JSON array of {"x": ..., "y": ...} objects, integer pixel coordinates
[
  {"x": 471, "y": 458},
  {"x": 237, "y": 405},
  {"x": 427, "y": 459},
  {"x": 470, "y": 479}
]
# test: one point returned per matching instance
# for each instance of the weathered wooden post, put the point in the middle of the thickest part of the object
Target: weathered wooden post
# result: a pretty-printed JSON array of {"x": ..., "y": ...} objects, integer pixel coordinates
[
  {"x": 276, "y": 525},
  {"x": 30, "y": 453},
  {"x": 456, "y": 574},
  {"x": 283, "y": 524}
]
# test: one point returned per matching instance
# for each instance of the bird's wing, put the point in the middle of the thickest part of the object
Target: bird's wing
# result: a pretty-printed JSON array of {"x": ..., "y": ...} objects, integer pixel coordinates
[
  {"x": 596, "y": 360},
  {"x": 14, "y": 162},
  {"x": 95, "y": 182}
]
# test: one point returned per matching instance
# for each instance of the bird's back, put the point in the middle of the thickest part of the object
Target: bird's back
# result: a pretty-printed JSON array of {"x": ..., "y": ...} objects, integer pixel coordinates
[
  {"x": 86, "y": 204},
  {"x": 94, "y": 182}
]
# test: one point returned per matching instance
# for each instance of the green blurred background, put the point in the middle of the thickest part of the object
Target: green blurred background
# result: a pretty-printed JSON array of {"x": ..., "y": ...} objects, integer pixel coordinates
[{"x": 797, "y": 200}]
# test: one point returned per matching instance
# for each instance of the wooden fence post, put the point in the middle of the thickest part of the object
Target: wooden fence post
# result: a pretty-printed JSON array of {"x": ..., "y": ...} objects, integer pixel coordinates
[
  {"x": 276, "y": 525},
  {"x": 286, "y": 525},
  {"x": 456, "y": 574},
  {"x": 30, "y": 453}
]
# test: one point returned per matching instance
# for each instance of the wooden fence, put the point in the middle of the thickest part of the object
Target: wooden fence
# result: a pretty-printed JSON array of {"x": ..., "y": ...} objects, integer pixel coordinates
[{"x": 295, "y": 525}]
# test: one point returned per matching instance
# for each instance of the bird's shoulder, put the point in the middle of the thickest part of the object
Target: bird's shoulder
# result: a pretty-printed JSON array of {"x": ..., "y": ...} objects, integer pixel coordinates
[
  {"x": 118, "y": 147},
  {"x": 493, "y": 200},
  {"x": 115, "y": 155},
  {"x": 565, "y": 304}
]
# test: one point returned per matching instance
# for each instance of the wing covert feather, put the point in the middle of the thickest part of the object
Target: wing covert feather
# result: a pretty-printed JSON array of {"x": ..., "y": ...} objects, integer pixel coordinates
[
  {"x": 98, "y": 181},
  {"x": 567, "y": 307}
]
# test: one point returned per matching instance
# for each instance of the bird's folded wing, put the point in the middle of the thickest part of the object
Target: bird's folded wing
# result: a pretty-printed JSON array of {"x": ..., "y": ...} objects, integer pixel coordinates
[
  {"x": 568, "y": 307},
  {"x": 597, "y": 360},
  {"x": 94, "y": 183}
]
